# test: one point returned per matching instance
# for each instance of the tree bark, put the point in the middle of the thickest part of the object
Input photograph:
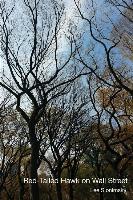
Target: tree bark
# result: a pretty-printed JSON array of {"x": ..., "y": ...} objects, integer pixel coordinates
[
  {"x": 34, "y": 164},
  {"x": 119, "y": 195},
  {"x": 58, "y": 185},
  {"x": 100, "y": 194},
  {"x": 71, "y": 191},
  {"x": 58, "y": 190},
  {"x": 21, "y": 189}
]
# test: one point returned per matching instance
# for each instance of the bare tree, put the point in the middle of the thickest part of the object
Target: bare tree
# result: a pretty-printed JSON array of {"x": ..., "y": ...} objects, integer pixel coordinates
[
  {"x": 64, "y": 120},
  {"x": 108, "y": 45},
  {"x": 13, "y": 144},
  {"x": 113, "y": 126},
  {"x": 38, "y": 74}
]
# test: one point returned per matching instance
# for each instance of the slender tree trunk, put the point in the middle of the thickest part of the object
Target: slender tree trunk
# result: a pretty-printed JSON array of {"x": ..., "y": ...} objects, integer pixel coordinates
[
  {"x": 21, "y": 188},
  {"x": 34, "y": 164},
  {"x": 21, "y": 191},
  {"x": 21, "y": 184},
  {"x": 119, "y": 195},
  {"x": 100, "y": 194},
  {"x": 58, "y": 190},
  {"x": 71, "y": 191},
  {"x": 100, "y": 175},
  {"x": 58, "y": 186}
]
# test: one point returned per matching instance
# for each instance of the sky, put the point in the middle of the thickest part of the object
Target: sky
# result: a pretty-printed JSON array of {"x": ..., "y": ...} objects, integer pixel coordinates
[
  {"x": 72, "y": 17},
  {"x": 80, "y": 27}
]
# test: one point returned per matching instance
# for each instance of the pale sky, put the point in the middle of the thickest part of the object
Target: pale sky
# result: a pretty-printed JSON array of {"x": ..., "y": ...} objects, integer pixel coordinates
[{"x": 78, "y": 24}]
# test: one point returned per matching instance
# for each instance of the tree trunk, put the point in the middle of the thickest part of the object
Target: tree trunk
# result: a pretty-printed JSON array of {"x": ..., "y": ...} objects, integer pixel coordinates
[
  {"x": 34, "y": 164},
  {"x": 21, "y": 184},
  {"x": 58, "y": 185},
  {"x": 21, "y": 189},
  {"x": 57, "y": 175},
  {"x": 21, "y": 192},
  {"x": 71, "y": 191},
  {"x": 100, "y": 194},
  {"x": 119, "y": 195},
  {"x": 58, "y": 190}
]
